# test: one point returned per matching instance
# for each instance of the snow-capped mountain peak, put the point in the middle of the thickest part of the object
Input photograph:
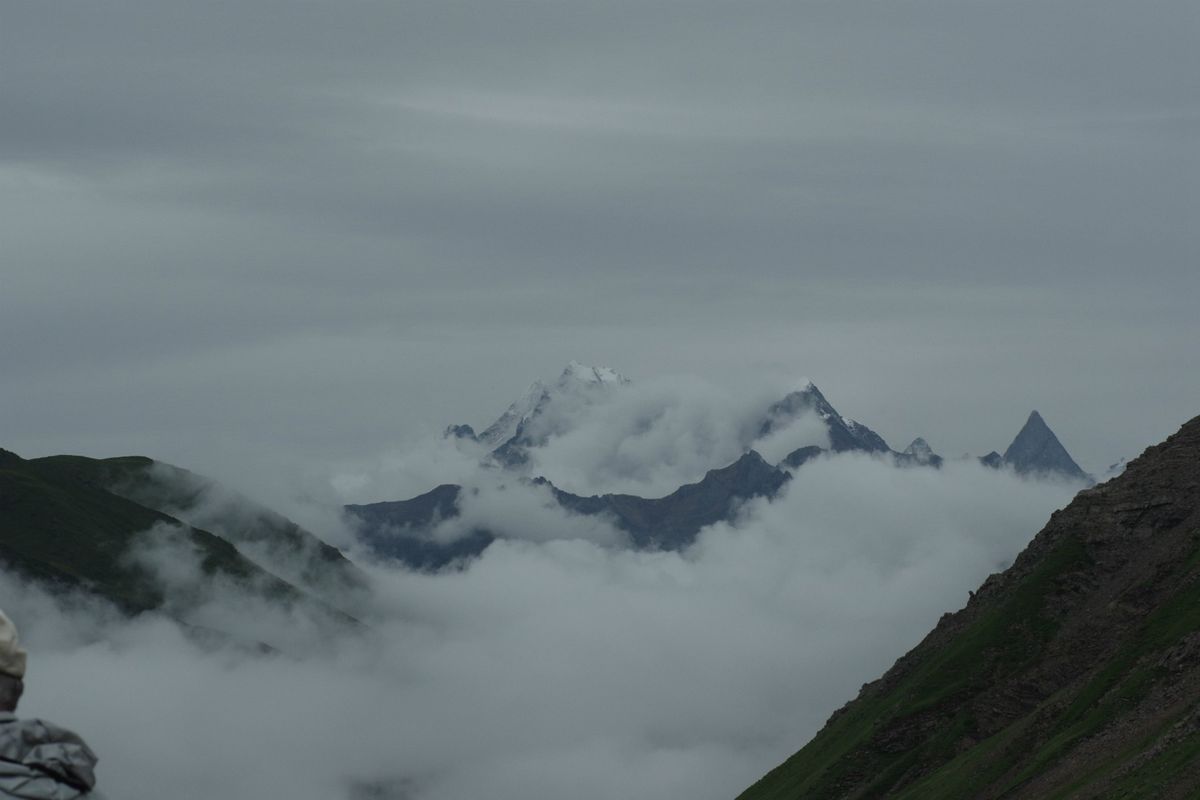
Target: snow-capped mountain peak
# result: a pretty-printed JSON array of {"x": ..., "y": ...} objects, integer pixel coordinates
[
  {"x": 582, "y": 373},
  {"x": 544, "y": 411},
  {"x": 844, "y": 433},
  {"x": 505, "y": 427}
]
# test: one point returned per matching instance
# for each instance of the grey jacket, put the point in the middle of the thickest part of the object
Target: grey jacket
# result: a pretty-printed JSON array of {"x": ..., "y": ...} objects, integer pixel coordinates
[{"x": 40, "y": 761}]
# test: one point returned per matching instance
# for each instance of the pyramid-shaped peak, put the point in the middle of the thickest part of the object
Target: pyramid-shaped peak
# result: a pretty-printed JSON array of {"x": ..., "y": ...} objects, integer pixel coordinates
[
  {"x": 918, "y": 447},
  {"x": 844, "y": 433},
  {"x": 807, "y": 387},
  {"x": 806, "y": 396},
  {"x": 1037, "y": 450},
  {"x": 1035, "y": 432},
  {"x": 919, "y": 452}
]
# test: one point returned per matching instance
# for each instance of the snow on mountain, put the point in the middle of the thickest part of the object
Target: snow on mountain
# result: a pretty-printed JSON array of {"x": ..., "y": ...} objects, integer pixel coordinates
[
  {"x": 844, "y": 433},
  {"x": 583, "y": 374},
  {"x": 547, "y": 410},
  {"x": 577, "y": 429},
  {"x": 506, "y": 426}
]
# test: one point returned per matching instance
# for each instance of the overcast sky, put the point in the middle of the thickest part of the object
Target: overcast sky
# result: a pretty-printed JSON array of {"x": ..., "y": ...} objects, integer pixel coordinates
[{"x": 309, "y": 232}]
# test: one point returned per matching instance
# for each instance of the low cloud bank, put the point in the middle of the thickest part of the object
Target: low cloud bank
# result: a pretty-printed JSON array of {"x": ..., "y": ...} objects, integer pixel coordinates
[
  {"x": 650, "y": 437},
  {"x": 544, "y": 669},
  {"x": 517, "y": 509}
]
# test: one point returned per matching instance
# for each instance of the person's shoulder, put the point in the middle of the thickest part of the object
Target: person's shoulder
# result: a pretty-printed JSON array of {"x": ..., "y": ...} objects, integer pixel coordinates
[
  {"x": 40, "y": 730},
  {"x": 61, "y": 759}
]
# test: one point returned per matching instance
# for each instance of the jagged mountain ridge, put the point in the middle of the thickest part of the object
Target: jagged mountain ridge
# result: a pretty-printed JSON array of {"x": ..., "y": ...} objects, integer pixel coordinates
[
  {"x": 403, "y": 530},
  {"x": 537, "y": 416},
  {"x": 844, "y": 434},
  {"x": 400, "y": 529},
  {"x": 1035, "y": 450},
  {"x": 532, "y": 419},
  {"x": 1074, "y": 673}
]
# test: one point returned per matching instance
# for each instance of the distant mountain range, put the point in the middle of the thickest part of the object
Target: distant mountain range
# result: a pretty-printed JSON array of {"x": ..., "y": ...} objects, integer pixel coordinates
[
  {"x": 72, "y": 522},
  {"x": 404, "y": 530},
  {"x": 1073, "y": 674}
]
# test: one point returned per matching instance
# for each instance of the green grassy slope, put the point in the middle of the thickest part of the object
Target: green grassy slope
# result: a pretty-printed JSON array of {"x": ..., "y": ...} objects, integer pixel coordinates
[
  {"x": 59, "y": 527},
  {"x": 276, "y": 542},
  {"x": 1074, "y": 674}
]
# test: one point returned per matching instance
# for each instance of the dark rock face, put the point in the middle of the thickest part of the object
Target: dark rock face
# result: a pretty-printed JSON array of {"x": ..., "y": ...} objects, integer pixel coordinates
[
  {"x": 800, "y": 457},
  {"x": 402, "y": 530},
  {"x": 419, "y": 512},
  {"x": 844, "y": 434},
  {"x": 993, "y": 460},
  {"x": 919, "y": 454},
  {"x": 672, "y": 522},
  {"x": 460, "y": 432},
  {"x": 1037, "y": 450},
  {"x": 513, "y": 453},
  {"x": 1074, "y": 673}
]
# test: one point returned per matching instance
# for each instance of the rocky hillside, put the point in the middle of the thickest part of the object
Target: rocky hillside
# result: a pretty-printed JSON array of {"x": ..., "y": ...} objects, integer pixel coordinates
[{"x": 1073, "y": 674}]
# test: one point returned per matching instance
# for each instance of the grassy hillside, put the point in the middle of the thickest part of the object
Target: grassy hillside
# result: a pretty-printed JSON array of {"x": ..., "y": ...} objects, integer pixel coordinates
[
  {"x": 1074, "y": 674},
  {"x": 274, "y": 541},
  {"x": 58, "y": 525}
]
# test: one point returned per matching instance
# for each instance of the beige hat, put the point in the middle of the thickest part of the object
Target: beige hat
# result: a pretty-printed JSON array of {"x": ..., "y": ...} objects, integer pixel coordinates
[{"x": 12, "y": 657}]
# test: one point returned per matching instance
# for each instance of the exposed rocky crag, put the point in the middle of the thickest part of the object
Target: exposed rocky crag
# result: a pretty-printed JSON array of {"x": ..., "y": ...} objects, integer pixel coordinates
[
  {"x": 1037, "y": 450},
  {"x": 919, "y": 454},
  {"x": 1074, "y": 673},
  {"x": 844, "y": 434}
]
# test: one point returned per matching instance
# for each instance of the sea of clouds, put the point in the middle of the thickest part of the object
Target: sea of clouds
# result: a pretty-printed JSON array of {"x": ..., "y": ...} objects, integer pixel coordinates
[{"x": 549, "y": 667}]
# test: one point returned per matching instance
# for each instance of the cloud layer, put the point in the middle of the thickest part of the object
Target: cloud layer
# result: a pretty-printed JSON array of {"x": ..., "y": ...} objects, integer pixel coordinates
[{"x": 547, "y": 668}]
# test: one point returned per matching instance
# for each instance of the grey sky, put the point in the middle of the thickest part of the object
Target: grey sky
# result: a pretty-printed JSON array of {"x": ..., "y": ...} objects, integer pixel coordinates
[{"x": 307, "y": 232}]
